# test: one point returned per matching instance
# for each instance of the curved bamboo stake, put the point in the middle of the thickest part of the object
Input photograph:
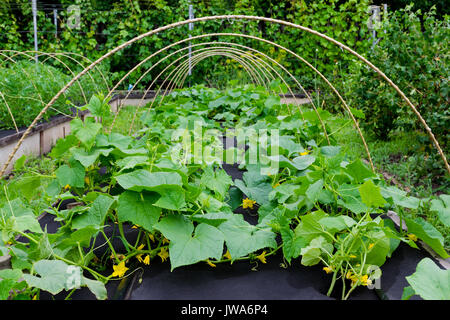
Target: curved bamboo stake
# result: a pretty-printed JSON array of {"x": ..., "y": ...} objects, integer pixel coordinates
[
  {"x": 10, "y": 113},
  {"x": 65, "y": 54},
  {"x": 145, "y": 73},
  {"x": 150, "y": 86},
  {"x": 255, "y": 18}
]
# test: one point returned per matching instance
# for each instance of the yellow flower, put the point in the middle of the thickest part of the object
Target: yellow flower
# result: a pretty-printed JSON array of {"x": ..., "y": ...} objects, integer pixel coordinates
[
  {"x": 135, "y": 226},
  {"x": 328, "y": 269},
  {"x": 371, "y": 246},
  {"x": 152, "y": 237},
  {"x": 248, "y": 203},
  {"x": 276, "y": 185},
  {"x": 34, "y": 297},
  {"x": 164, "y": 241},
  {"x": 262, "y": 257},
  {"x": 139, "y": 256},
  {"x": 365, "y": 281},
  {"x": 412, "y": 237},
  {"x": 66, "y": 187},
  {"x": 147, "y": 260},
  {"x": 163, "y": 254},
  {"x": 119, "y": 270},
  {"x": 352, "y": 256},
  {"x": 141, "y": 247},
  {"x": 210, "y": 263},
  {"x": 227, "y": 255},
  {"x": 304, "y": 153},
  {"x": 86, "y": 180},
  {"x": 348, "y": 275}
]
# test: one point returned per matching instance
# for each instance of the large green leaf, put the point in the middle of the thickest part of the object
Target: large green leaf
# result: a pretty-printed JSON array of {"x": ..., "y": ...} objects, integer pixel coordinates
[
  {"x": 429, "y": 281},
  {"x": 55, "y": 276},
  {"x": 310, "y": 228},
  {"x": 337, "y": 224},
  {"x": 429, "y": 234},
  {"x": 88, "y": 158},
  {"x": 293, "y": 243},
  {"x": 255, "y": 186},
  {"x": 85, "y": 131},
  {"x": 371, "y": 195},
  {"x": 185, "y": 248},
  {"x": 138, "y": 208},
  {"x": 96, "y": 214},
  {"x": 242, "y": 238},
  {"x": 167, "y": 184},
  {"x": 72, "y": 176},
  {"x": 141, "y": 179}
]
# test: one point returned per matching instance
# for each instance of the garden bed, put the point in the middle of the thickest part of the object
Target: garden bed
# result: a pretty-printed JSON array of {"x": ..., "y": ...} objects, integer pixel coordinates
[{"x": 312, "y": 223}]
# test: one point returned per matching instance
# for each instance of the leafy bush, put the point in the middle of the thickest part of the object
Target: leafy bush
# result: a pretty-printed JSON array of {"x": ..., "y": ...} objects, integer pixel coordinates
[{"x": 414, "y": 55}]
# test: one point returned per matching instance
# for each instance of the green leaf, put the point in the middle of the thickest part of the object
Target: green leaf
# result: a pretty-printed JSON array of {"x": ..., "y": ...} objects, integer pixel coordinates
[
  {"x": 337, "y": 224},
  {"x": 141, "y": 179},
  {"x": 359, "y": 171},
  {"x": 96, "y": 214},
  {"x": 20, "y": 162},
  {"x": 72, "y": 176},
  {"x": 10, "y": 274},
  {"x": 218, "y": 181},
  {"x": 408, "y": 292},
  {"x": 255, "y": 186},
  {"x": 86, "y": 131},
  {"x": 242, "y": 238},
  {"x": 5, "y": 288},
  {"x": 303, "y": 162},
  {"x": 371, "y": 195},
  {"x": 313, "y": 191},
  {"x": 292, "y": 244},
  {"x": 399, "y": 197},
  {"x": 351, "y": 198},
  {"x": 88, "y": 158},
  {"x": 317, "y": 248},
  {"x": 96, "y": 287},
  {"x": 54, "y": 276},
  {"x": 442, "y": 207},
  {"x": 310, "y": 228},
  {"x": 427, "y": 233},
  {"x": 429, "y": 281},
  {"x": 185, "y": 248},
  {"x": 62, "y": 146},
  {"x": 138, "y": 208}
]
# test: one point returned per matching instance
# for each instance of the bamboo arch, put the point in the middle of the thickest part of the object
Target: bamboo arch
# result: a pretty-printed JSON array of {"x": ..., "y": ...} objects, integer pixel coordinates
[{"x": 239, "y": 17}]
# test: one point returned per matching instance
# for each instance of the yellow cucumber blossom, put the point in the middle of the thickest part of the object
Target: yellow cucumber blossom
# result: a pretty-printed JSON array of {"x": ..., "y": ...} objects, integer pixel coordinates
[
  {"x": 248, "y": 203},
  {"x": 365, "y": 281},
  {"x": 276, "y": 185},
  {"x": 147, "y": 260},
  {"x": 164, "y": 241},
  {"x": 412, "y": 237},
  {"x": 152, "y": 237},
  {"x": 328, "y": 269},
  {"x": 66, "y": 187},
  {"x": 352, "y": 256},
  {"x": 120, "y": 269},
  {"x": 139, "y": 256},
  {"x": 262, "y": 257},
  {"x": 135, "y": 226},
  {"x": 371, "y": 246},
  {"x": 227, "y": 255},
  {"x": 210, "y": 264},
  {"x": 348, "y": 275},
  {"x": 86, "y": 180},
  {"x": 163, "y": 254},
  {"x": 304, "y": 153}
]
